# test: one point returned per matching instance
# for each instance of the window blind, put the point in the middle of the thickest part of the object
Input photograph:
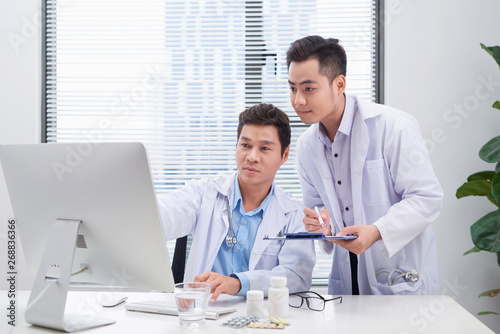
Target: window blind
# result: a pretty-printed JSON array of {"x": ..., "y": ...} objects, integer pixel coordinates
[{"x": 174, "y": 75}]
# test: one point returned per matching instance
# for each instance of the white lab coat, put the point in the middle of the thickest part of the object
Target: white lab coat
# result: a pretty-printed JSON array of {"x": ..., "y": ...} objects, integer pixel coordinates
[
  {"x": 393, "y": 187},
  {"x": 199, "y": 209}
]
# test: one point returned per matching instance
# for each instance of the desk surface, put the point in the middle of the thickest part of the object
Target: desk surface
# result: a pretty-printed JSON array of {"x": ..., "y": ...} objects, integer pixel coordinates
[{"x": 356, "y": 314}]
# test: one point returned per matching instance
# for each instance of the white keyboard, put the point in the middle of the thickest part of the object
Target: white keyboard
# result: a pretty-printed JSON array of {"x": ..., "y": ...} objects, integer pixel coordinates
[{"x": 162, "y": 307}]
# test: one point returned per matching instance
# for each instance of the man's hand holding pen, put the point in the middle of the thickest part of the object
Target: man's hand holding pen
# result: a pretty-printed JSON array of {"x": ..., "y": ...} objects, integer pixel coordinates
[
  {"x": 313, "y": 224},
  {"x": 367, "y": 234}
]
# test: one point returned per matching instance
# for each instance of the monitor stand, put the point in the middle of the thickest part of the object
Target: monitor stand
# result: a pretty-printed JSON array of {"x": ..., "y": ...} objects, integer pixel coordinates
[{"x": 47, "y": 302}]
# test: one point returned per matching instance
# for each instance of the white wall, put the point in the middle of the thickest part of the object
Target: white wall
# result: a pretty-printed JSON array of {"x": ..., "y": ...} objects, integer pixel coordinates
[
  {"x": 20, "y": 110},
  {"x": 433, "y": 64},
  {"x": 435, "y": 68}
]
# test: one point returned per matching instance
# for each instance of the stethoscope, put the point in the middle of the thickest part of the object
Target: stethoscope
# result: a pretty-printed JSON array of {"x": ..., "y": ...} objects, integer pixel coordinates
[
  {"x": 231, "y": 239},
  {"x": 410, "y": 276}
]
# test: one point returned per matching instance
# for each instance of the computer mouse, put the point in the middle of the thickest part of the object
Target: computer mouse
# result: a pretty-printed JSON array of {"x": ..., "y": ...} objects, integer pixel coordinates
[{"x": 113, "y": 301}]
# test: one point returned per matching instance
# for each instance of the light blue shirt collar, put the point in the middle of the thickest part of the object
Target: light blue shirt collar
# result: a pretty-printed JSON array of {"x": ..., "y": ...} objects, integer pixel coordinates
[{"x": 238, "y": 200}]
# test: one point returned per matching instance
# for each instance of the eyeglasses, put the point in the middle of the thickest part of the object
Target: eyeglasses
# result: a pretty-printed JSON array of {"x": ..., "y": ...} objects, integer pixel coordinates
[{"x": 314, "y": 300}]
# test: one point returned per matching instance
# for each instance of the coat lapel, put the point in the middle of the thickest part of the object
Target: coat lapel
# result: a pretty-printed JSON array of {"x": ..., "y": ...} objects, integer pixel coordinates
[
  {"x": 225, "y": 186},
  {"x": 359, "y": 150},
  {"x": 273, "y": 222}
]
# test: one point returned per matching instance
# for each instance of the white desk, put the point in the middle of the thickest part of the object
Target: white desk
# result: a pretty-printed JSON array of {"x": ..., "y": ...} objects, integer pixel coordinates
[{"x": 356, "y": 314}]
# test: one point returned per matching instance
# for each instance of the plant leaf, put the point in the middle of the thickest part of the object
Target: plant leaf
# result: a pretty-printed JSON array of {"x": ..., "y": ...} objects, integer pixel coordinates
[
  {"x": 487, "y": 312},
  {"x": 472, "y": 250},
  {"x": 490, "y": 152},
  {"x": 484, "y": 175},
  {"x": 492, "y": 200},
  {"x": 498, "y": 259},
  {"x": 485, "y": 233},
  {"x": 474, "y": 188},
  {"x": 494, "y": 51},
  {"x": 495, "y": 188},
  {"x": 497, "y": 168},
  {"x": 490, "y": 293},
  {"x": 496, "y": 105}
]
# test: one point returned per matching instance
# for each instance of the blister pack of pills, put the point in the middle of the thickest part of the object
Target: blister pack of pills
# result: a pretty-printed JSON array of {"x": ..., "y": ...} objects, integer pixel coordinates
[
  {"x": 279, "y": 321},
  {"x": 238, "y": 322},
  {"x": 265, "y": 324},
  {"x": 255, "y": 322}
]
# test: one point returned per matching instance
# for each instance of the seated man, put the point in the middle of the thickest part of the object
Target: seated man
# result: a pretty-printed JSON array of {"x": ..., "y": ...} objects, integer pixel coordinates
[{"x": 228, "y": 216}]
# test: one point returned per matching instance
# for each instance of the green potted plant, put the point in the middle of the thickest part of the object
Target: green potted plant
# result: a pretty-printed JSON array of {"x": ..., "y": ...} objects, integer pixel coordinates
[{"x": 485, "y": 232}]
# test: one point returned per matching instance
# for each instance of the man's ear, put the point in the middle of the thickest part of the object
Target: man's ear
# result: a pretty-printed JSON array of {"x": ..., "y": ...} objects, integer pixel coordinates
[
  {"x": 340, "y": 82},
  {"x": 285, "y": 154}
]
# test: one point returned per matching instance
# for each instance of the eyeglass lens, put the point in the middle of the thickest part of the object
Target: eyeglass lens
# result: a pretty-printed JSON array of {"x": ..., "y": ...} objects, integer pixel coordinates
[{"x": 313, "y": 302}]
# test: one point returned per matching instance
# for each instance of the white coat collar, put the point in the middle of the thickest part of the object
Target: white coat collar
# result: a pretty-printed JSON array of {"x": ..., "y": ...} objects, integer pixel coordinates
[
  {"x": 224, "y": 184},
  {"x": 274, "y": 221},
  {"x": 367, "y": 109}
]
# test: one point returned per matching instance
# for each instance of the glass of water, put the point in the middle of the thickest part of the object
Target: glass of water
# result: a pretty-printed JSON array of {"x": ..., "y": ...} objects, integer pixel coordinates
[{"x": 192, "y": 300}]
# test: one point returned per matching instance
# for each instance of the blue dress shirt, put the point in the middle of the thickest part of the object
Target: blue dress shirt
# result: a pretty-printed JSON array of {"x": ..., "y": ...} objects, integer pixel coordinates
[{"x": 233, "y": 261}]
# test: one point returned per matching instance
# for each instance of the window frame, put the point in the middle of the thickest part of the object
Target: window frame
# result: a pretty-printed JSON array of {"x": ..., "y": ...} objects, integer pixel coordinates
[{"x": 378, "y": 83}]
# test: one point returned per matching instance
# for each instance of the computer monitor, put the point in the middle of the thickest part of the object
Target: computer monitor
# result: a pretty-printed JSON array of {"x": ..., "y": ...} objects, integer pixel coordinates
[{"x": 87, "y": 209}]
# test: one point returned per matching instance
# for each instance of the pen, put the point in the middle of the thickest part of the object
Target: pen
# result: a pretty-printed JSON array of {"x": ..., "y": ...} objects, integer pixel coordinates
[{"x": 319, "y": 218}]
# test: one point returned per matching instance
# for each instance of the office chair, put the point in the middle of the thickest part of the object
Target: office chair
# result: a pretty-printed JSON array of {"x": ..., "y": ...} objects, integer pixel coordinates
[{"x": 179, "y": 260}]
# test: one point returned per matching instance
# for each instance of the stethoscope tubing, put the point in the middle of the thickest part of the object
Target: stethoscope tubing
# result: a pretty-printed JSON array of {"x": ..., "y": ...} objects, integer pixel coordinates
[
  {"x": 231, "y": 239},
  {"x": 411, "y": 276}
]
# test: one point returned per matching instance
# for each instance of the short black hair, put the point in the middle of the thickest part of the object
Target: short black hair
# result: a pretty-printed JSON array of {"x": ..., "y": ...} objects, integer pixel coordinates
[
  {"x": 267, "y": 114},
  {"x": 330, "y": 54}
]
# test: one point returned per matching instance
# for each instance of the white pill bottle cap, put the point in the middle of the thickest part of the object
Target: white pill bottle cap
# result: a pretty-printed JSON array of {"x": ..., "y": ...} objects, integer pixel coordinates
[
  {"x": 255, "y": 295},
  {"x": 278, "y": 281}
]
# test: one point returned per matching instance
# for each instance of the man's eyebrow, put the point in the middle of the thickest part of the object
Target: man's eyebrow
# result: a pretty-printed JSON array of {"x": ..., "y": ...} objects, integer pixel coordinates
[
  {"x": 308, "y": 81},
  {"x": 265, "y": 142}
]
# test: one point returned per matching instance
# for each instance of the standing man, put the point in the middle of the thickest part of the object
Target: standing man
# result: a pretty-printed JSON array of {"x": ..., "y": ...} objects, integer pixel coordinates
[
  {"x": 366, "y": 166},
  {"x": 229, "y": 216}
]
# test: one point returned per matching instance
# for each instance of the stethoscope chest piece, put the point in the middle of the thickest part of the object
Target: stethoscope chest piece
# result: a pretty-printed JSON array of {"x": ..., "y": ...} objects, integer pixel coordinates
[
  {"x": 412, "y": 276},
  {"x": 231, "y": 240}
]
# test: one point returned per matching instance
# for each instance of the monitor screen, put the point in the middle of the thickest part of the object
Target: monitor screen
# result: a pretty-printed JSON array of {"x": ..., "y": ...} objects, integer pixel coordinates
[{"x": 106, "y": 186}]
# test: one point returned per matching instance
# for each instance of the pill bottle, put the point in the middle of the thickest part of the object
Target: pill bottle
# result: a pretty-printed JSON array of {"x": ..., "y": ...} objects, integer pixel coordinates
[
  {"x": 255, "y": 303},
  {"x": 278, "y": 297}
]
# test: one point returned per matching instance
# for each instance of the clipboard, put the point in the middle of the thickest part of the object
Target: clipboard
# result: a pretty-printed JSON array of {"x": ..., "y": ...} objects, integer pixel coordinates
[{"x": 309, "y": 236}]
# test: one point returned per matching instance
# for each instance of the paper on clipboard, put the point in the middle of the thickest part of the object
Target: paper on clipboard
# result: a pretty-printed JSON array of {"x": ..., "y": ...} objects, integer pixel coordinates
[{"x": 309, "y": 236}]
